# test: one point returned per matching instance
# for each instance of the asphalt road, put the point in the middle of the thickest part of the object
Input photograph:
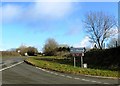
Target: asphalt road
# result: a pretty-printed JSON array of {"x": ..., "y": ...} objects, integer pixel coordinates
[
  {"x": 26, "y": 74},
  {"x": 7, "y": 61}
]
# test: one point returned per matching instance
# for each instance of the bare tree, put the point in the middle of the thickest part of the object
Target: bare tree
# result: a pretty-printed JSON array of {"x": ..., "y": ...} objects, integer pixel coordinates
[
  {"x": 98, "y": 25},
  {"x": 50, "y": 47}
]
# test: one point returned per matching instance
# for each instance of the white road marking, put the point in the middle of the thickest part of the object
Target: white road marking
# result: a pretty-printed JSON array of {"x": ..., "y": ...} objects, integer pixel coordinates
[
  {"x": 62, "y": 75},
  {"x": 93, "y": 81},
  {"x": 43, "y": 69},
  {"x": 86, "y": 80},
  {"x": 83, "y": 79},
  {"x": 55, "y": 73},
  {"x": 39, "y": 68},
  {"x": 68, "y": 76},
  {"x": 102, "y": 77},
  {"x": 98, "y": 82},
  {"x": 51, "y": 72},
  {"x": 76, "y": 78},
  {"x": 105, "y": 83},
  {"x": 11, "y": 66},
  {"x": 47, "y": 71}
]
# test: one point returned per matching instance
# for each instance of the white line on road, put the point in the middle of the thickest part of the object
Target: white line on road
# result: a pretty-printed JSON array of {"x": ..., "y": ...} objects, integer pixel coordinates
[
  {"x": 68, "y": 76},
  {"x": 51, "y": 72},
  {"x": 62, "y": 75},
  {"x": 105, "y": 83},
  {"x": 93, "y": 81},
  {"x": 86, "y": 80},
  {"x": 55, "y": 73},
  {"x": 47, "y": 71},
  {"x": 83, "y": 79},
  {"x": 102, "y": 77},
  {"x": 76, "y": 78},
  {"x": 11, "y": 66},
  {"x": 99, "y": 82}
]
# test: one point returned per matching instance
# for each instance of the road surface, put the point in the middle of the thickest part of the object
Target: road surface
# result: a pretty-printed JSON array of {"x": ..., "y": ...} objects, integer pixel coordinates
[{"x": 22, "y": 73}]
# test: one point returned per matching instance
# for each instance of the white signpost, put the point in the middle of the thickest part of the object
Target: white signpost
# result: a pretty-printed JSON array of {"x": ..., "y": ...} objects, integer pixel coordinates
[
  {"x": 26, "y": 54},
  {"x": 77, "y": 52}
]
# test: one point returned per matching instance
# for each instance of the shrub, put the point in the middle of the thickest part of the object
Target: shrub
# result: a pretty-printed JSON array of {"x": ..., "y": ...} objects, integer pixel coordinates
[
  {"x": 105, "y": 59},
  {"x": 9, "y": 53}
]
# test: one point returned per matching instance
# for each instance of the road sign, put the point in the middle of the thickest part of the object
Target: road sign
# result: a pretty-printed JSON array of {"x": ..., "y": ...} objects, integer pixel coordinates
[{"x": 77, "y": 51}]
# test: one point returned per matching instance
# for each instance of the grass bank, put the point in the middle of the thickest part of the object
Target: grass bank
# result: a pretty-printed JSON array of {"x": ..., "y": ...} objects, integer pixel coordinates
[{"x": 52, "y": 65}]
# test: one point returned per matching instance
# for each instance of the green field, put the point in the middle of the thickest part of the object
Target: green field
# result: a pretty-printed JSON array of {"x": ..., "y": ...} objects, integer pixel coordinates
[{"x": 52, "y": 63}]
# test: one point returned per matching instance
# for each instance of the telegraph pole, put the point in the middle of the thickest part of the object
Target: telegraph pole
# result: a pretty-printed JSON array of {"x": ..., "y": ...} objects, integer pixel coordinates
[
  {"x": 82, "y": 60},
  {"x": 74, "y": 62}
]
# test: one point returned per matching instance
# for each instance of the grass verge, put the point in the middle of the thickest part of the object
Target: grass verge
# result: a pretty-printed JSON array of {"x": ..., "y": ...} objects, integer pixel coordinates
[{"x": 70, "y": 69}]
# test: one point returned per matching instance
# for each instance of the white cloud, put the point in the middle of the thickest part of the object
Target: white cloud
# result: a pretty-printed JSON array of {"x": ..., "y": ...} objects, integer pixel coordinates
[
  {"x": 84, "y": 43},
  {"x": 10, "y": 12},
  {"x": 52, "y": 9},
  {"x": 36, "y": 11}
]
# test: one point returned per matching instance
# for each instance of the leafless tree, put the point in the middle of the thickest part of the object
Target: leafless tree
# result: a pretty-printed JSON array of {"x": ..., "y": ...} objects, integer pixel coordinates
[
  {"x": 50, "y": 47},
  {"x": 99, "y": 25}
]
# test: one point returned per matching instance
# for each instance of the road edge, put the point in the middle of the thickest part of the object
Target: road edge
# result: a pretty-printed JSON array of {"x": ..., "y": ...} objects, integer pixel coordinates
[{"x": 81, "y": 74}]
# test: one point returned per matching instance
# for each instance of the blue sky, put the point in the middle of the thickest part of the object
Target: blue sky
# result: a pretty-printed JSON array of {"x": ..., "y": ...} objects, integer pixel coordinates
[{"x": 32, "y": 23}]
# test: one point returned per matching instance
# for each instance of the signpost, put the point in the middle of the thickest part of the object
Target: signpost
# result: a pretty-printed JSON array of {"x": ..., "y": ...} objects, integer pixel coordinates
[{"x": 77, "y": 52}]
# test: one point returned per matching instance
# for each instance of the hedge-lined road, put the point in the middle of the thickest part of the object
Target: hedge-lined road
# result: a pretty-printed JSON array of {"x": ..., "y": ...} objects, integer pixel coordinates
[{"x": 22, "y": 73}]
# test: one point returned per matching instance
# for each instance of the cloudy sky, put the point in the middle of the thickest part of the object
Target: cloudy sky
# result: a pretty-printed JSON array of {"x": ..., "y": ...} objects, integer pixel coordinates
[{"x": 32, "y": 23}]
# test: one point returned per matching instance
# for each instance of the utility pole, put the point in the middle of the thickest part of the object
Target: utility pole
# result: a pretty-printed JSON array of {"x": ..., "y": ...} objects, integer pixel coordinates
[
  {"x": 81, "y": 62},
  {"x": 74, "y": 62}
]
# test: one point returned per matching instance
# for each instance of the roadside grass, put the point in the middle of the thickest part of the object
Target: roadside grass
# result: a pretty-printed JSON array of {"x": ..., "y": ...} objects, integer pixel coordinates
[{"x": 55, "y": 66}]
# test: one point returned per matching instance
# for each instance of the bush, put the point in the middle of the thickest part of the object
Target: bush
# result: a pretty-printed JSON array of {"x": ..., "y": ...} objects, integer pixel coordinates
[
  {"x": 105, "y": 59},
  {"x": 9, "y": 53},
  {"x": 31, "y": 51}
]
